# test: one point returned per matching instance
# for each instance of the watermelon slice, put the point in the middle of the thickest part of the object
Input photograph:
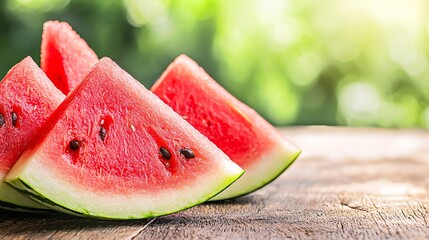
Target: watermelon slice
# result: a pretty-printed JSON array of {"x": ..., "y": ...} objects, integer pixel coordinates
[
  {"x": 27, "y": 99},
  {"x": 239, "y": 131},
  {"x": 114, "y": 150},
  {"x": 65, "y": 57}
]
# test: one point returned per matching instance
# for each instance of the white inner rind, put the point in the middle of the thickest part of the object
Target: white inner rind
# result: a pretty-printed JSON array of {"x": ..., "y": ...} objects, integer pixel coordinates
[
  {"x": 47, "y": 183},
  {"x": 263, "y": 170}
]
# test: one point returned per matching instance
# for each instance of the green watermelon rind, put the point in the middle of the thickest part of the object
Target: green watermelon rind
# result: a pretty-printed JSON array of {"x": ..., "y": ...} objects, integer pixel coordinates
[
  {"x": 12, "y": 207},
  {"x": 10, "y": 199},
  {"x": 25, "y": 187},
  {"x": 28, "y": 191},
  {"x": 285, "y": 156},
  {"x": 263, "y": 184}
]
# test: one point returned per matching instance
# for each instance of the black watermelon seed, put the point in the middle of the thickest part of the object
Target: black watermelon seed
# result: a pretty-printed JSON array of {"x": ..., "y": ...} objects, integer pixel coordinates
[
  {"x": 1, "y": 120},
  {"x": 14, "y": 119},
  {"x": 103, "y": 133},
  {"x": 165, "y": 153},
  {"x": 188, "y": 153},
  {"x": 74, "y": 145}
]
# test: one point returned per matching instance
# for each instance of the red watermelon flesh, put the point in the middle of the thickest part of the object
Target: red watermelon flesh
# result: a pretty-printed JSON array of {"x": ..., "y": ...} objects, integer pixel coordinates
[
  {"x": 115, "y": 150},
  {"x": 65, "y": 57},
  {"x": 238, "y": 130},
  {"x": 27, "y": 99}
]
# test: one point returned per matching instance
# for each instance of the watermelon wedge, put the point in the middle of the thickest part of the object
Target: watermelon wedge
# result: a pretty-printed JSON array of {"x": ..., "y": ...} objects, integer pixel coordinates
[
  {"x": 239, "y": 131},
  {"x": 27, "y": 99},
  {"x": 114, "y": 150},
  {"x": 65, "y": 57}
]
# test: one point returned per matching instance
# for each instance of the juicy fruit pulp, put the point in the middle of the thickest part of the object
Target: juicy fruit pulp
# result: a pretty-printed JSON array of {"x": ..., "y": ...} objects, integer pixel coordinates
[
  {"x": 65, "y": 57},
  {"x": 239, "y": 131},
  {"x": 114, "y": 150},
  {"x": 27, "y": 99}
]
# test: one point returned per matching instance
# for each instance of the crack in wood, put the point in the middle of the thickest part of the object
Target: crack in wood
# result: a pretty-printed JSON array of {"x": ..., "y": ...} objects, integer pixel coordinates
[
  {"x": 142, "y": 229},
  {"x": 354, "y": 207}
]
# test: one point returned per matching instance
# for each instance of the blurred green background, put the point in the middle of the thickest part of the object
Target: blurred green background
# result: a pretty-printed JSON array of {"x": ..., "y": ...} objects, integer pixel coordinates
[{"x": 334, "y": 62}]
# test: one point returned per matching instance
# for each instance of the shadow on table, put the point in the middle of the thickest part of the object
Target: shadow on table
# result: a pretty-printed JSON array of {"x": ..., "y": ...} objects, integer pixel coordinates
[
  {"x": 51, "y": 221},
  {"x": 18, "y": 222}
]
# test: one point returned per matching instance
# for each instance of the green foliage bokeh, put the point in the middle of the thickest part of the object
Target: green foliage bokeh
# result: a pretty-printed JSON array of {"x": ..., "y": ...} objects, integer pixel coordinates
[{"x": 334, "y": 62}]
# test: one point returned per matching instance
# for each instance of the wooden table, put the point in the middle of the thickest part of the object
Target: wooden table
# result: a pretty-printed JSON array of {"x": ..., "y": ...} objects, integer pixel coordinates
[{"x": 348, "y": 183}]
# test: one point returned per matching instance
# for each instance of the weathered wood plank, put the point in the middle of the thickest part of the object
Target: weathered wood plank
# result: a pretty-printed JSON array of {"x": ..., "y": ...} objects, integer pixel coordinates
[{"x": 348, "y": 183}]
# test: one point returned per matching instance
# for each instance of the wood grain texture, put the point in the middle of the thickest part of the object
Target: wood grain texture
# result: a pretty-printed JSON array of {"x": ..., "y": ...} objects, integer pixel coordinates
[{"x": 349, "y": 183}]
